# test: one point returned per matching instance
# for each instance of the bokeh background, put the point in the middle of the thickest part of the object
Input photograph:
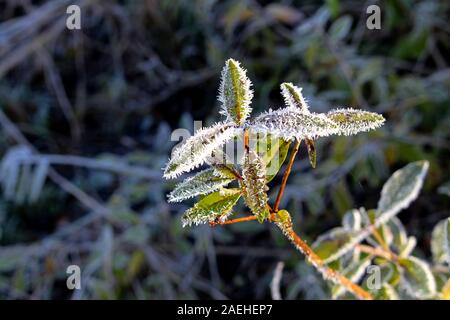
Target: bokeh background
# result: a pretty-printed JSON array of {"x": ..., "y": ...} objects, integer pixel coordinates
[{"x": 86, "y": 117}]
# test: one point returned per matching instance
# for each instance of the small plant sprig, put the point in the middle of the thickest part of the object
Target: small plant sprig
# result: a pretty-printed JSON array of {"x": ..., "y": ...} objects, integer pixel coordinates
[{"x": 294, "y": 123}]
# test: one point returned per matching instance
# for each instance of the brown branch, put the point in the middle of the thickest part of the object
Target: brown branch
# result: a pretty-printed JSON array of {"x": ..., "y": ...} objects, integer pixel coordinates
[
  {"x": 286, "y": 175},
  {"x": 232, "y": 221},
  {"x": 246, "y": 141}
]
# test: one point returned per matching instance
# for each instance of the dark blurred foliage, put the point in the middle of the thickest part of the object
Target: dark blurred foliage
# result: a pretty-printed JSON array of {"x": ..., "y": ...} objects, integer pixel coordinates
[{"x": 114, "y": 91}]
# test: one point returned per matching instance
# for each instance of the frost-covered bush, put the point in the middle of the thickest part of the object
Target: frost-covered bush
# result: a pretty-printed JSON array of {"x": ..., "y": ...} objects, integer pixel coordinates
[{"x": 367, "y": 238}]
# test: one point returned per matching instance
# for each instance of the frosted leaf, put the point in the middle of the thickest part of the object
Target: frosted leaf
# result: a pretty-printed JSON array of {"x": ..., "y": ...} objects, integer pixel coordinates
[
  {"x": 333, "y": 244},
  {"x": 351, "y": 121},
  {"x": 197, "y": 149},
  {"x": 273, "y": 151},
  {"x": 402, "y": 188},
  {"x": 293, "y": 97},
  {"x": 275, "y": 157},
  {"x": 417, "y": 277},
  {"x": 225, "y": 171},
  {"x": 204, "y": 182},
  {"x": 214, "y": 206},
  {"x": 439, "y": 242},
  {"x": 398, "y": 230},
  {"x": 311, "y": 152},
  {"x": 254, "y": 182},
  {"x": 288, "y": 124},
  {"x": 235, "y": 93}
]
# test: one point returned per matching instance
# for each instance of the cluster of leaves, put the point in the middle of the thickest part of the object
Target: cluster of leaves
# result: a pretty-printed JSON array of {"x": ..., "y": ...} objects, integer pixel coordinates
[
  {"x": 294, "y": 122},
  {"x": 401, "y": 275}
]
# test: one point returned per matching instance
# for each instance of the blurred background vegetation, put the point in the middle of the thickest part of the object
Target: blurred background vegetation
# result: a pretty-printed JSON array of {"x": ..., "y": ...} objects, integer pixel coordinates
[{"x": 86, "y": 117}]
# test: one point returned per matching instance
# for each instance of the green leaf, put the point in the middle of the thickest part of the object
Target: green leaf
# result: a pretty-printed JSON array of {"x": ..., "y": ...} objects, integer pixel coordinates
[
  {"x": 400, "y": 240},
  {"x": 204, "y": 182},
  {"x": 214, "y": 206},
  {"x": 390, "y": 271},
  {"x": 417, "y": 278},
  {"x": 440, "y": 242},
  {"x": 340, "y": 28},
  {"x": 401, "y": 189},
  {"x": 386, "y": 292},
  {"x": 284, "y": 218},
  {"x": 311, "y": 152},
  {"x": 255, "y": 185},
  {"x": 350, "y": 121},
  {"x": 197, "y": 149},
  {"x": 293, "y": 97},
  {"x": 235, "y": 93},
  {"x": 332, "y": 243},
  {"x": 275, "y": 153}
]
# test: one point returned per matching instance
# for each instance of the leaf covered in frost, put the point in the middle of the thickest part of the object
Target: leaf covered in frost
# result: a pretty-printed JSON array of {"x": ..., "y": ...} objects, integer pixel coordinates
[
  {"x": 288, "y": 124},
  {"x": 351, "y": 121},
  {"x": 274, "y": 152},
  {"x": 204, "y": 182},
  {"x": 214, "y": 206},
  {"x": 311, "y": 152},
  {"x": 417, "y": 277},
  {"x": 197, "y": 149},
  {"x": 293, "y": 97},
  {"x": 332, "y": 243},
  {"x": 235, "y": 93},
  {"x": 440, "y": 242},
  {"x": 401, "y": 189}
]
